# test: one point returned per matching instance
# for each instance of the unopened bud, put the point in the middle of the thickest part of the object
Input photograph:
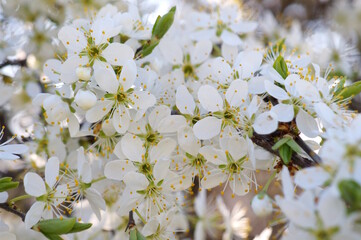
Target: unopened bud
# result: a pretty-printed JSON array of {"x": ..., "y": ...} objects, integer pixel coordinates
[
  {"x": 85, "y": 99},
  {"x": 262, "y": 205}
]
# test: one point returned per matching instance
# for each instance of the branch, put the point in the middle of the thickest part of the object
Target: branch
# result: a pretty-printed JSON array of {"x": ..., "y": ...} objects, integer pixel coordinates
[
  {"x": 267, "y": 141},
  {"x": 21, "y": 63},
  {"x": 12, "y": 210},
  {"x": 308, "y": 150},
  {"x": 131, "y": 222}
]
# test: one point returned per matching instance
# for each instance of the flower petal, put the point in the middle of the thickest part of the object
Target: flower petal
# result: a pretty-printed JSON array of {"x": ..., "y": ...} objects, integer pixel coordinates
[
  {"x": 307, "y": 124},
  {"x": 207, "y": 128},
  {"x": 184, "y": 100},
  {"x": 117, "y": 169},
  {"x": 285, "y": 112},
  {"x": 237, "y": 93},
  {"x": 275, "y": 91},
  {"x": 132, "y": 147},
  {"x": 118, "y": 54},
  {"x": 210, "y": 99},
  {"x": 51, "y": 171},
  {"x": 34, "y": 185},
  {"x": 266, "y": 123},
  {"x": 34, "y": 214},
  {"x": 106, "y": 80}
]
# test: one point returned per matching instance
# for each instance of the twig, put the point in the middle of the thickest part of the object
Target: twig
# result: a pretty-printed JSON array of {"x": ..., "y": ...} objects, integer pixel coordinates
[
  {"x": 12, "y": 210},
  {"x": 21, "y": 63},
  {"x": 267, "y": 141},
  {"x": 308, "y": 150},
  {"x": 131, "y": 222}
]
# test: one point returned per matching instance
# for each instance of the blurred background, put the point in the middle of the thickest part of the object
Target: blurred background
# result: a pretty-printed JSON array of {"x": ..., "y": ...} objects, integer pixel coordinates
[{"x": 328, "y": 31}]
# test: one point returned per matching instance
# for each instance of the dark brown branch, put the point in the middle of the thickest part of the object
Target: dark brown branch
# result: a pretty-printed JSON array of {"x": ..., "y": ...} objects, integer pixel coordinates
[
  {"x": 21, "y": 63},
  {"x": 12, "y": 210},
  {"x": 308, "y": 150},
  {"x": 267, "y": 141},
  {"x": 131, "y": 222}
]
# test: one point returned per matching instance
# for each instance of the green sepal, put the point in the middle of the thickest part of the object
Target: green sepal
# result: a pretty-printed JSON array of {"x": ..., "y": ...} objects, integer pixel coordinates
[
  {"x": 163, "y": 24},
  {"x": 133, "y": 234},
  {"x": 281, "y": 67},
  {"x": 140, "y": 236},
  {"x": 351, "y": 194},
  {"x": 280, "y": 142},
  {"x": 5, "y": 179},
  {"x": 350, "y": 91},
  {"x": 4, "y": 186},
  {"x": 285, "y": 152}
]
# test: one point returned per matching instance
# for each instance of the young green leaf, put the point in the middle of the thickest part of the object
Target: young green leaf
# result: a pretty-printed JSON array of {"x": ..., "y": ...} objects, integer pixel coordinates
[
  {"x": 78, "y": 227},
  {"x": 281, "y": 67},
  {"x": 8, "y": 185},
  {"x": 295, "y": 147},
  {"x": 351, "y": 193},
  {"x": 280, "y": 142},
  {"x": 350, "y": 91},
  {"x": 163, "y": 24},
  {"x": 285, "y": 152},
  {"x": 53, "y": 237},
  {"x": 56, "y": 226}
]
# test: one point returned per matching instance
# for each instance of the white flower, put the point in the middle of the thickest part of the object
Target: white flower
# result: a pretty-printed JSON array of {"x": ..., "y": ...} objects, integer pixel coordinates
[
  {"x": 48, "y": 194},
  {"x": 85, "y": 99},
  {"x": 10, "y": 151},
  {"x": 262, "y": 205}
]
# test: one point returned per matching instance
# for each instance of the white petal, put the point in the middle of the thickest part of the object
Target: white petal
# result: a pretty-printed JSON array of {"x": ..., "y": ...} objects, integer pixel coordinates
[
  {"x": 240, "y": 185},
  {"x": 213, "y": 155},
  {"x": 207, "y": 128},
  {"x": 34, "y": 214},
  {"x": 8, "y": 156},
  {"x": 184, "y": 100},
  {"x": 201, "y": 51},
  {"x": 256, "y": 85},
  {"x": 162, "y": 150},
  {"x": 237, "y": 93},
  {"x": 229, "y": 52},
  {"x": 236, "y": 146},
  {"x": 73, "y": 125},
  {"x": 15, "y": 148},
  {"x": 34, "y": 184},
  {"x": 128, "y": 74},
  {"x": 275, "y": 91},
  {"x": 307, "y": 124},
  {"x": 210, "y": 99},
  {"x": 132, "y": 147},
  {"x": 285, "y": 112},
  {"x": 332, "y": 210},
  {"x": 187, "y": 141},
  {"x": 230, "y": 38},
  {"x": 157, "y": 114},
  {"x": 244, "y": 27},
  {"x": 171, "y": 123},
  {"x": 298, "y": 213},
  {"x": 310, "y": 178},
  {"x": 117, "y": 169},
  {"x": 220, "y": 70},
  {"x": 136, "y": 181},
  {"x": 68, "y": 68},
  {"x": 307, "y": 90},
  {"x": 266, "y": 123},
  {"x": 52, "y": 69},
  {"x": 3, "y": 197},
  {"x": 51, "y": 171},
  {"x": 171, "y": 51},
  {"x": 160, "y": 170},
  {"x": 72, "y": 39},
  {"x": 215, "y": 178},
  {"x": 118, "y": 53},
  {"x": 106, "y": 80},
  {"x": 248, "y": 62},
  {"x": 328, "y": 117},
  {"x": 142, "y": 100},
  {"x": 96, "y": 201},
  {"x": 287, "y": 184},
  {"x": 97, "y": 112},
  {"x": 121, "y": 119}
]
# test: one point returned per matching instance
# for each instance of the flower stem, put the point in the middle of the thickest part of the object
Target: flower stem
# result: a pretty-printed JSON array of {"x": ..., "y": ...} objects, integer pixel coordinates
[
  {"x": 22, "y": 197},
  {"x": 98, "y": 179},
  {"x": 264, "y": 190},
  {"x": 140, "y": 216}
]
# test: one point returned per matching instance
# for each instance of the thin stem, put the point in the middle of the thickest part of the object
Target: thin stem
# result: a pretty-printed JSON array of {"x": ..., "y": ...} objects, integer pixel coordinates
[
  {"x": 269, "y": 181},
  {"x": 140, "y": 216},
  {"x": 12, "y": 210},
  {"x": 131, "y": 222},
  {"x": 26, "y": 196},
  {"x": 98, "y": 179}
]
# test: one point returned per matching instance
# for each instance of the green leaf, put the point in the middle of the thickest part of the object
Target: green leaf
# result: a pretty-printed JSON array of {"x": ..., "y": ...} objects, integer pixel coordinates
[
  {"x": 5, "y": 179},
  {"x": 351, "y": 193},
  {"x": 340, "y": 85},
  {"x": 53, "y": 237},
  {"x": 285, "y": 152},
  {"x": 281, "y": 67},
  {"x": 133, "y": 234},
  {"x": 295, "y": 147},
  {"x": 280, "y": 142},
  {"x": 56, "y": 226},
  {"x": 148, "y": 49},
  {"x": 350, "y": 91},
  {"x": 78, "y": 227},
  {"x": 163, "y": 24},
  {"x": 8, "y": 185},
  {"x": 140, "y": 236}
]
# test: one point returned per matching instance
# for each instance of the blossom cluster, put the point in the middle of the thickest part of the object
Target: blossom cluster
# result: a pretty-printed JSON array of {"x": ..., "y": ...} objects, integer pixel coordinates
[{"x": 137, "y": 122}]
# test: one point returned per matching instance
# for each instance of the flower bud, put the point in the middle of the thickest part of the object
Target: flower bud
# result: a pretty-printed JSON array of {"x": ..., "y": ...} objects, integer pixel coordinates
[
  {"x": 85, "y": 99},
  {"x": 262, "y": 205},
  {"x": 83, "y": 73}
]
